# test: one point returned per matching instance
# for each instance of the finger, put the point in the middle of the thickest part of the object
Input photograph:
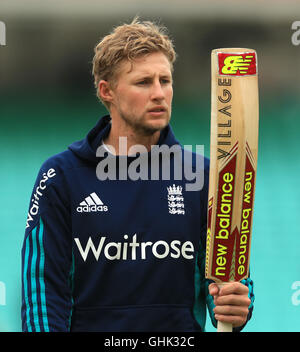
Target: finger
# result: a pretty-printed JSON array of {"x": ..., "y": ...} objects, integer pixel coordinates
[
  {"x": 232, "y": 319},
  {"x": 232, "y": 310},
  {"x": 233, "y": 300},
  {"x": 234, "y": 288}
]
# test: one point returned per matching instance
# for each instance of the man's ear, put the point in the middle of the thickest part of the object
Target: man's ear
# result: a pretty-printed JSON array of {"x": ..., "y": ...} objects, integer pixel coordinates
[{"x": 105, "y": 92}]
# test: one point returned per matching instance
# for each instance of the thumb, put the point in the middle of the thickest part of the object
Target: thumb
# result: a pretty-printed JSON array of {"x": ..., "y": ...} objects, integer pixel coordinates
[{"x": 213, "y": 289}]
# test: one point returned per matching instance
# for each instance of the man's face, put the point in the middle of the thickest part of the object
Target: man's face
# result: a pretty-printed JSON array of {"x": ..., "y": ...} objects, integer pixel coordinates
[{"x": 143, "y": 95}]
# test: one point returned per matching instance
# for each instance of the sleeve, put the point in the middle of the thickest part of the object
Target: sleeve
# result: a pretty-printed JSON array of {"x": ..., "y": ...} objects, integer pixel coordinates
[{"x": 47, "y": 258}]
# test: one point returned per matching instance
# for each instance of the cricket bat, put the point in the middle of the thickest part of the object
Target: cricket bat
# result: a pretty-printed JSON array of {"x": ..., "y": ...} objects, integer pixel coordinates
[{"x": 233, "y": 163}]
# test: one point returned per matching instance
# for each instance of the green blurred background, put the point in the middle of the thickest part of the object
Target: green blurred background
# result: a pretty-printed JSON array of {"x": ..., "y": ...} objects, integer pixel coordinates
[{"x": 47, "y": 101}]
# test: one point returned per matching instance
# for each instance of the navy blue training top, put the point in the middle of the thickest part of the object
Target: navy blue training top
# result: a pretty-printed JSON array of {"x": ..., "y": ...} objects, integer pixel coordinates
[{"x": 115, "y": 254}]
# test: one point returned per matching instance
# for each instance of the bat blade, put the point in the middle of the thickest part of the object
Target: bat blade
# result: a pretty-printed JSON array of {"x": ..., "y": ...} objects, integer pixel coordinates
[{"x": 233, "y": 163}]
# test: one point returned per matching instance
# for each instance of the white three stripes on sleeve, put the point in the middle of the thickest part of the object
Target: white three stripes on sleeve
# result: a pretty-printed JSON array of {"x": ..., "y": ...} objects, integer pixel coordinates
[{"x": 33, "y": 281}]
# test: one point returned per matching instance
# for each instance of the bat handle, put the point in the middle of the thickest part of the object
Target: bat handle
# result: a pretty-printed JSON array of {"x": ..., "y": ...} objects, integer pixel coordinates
[{"x": 223, "y": 327}]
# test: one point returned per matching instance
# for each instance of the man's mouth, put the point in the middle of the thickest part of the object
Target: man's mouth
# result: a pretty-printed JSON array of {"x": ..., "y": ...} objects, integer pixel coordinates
[{"x": 158, "y": 110}]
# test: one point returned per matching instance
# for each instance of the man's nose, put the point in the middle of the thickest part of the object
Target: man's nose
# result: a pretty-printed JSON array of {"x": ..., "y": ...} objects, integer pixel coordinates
[{"x": 157, "y": 92}]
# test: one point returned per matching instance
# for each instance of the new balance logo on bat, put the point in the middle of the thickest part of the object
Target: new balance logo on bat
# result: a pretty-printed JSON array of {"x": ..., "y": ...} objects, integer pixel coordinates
[
  {"x": 90, "y": 204},
  {"x": 237, "y": 64}
]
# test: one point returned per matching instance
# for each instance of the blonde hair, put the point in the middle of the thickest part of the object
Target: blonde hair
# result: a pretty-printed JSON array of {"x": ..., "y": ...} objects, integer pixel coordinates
[{"x": 129, "y": 41}]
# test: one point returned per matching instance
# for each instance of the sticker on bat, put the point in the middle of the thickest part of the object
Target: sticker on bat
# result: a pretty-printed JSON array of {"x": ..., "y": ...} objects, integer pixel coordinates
[
  {"x": 244, "y": 235},
  {"x": 237, "y": 64},
  {"x": 224, "y": 237}
]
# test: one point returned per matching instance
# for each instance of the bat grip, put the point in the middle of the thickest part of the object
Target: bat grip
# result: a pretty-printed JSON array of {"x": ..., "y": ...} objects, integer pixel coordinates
[{"x": 223, "y": 327}]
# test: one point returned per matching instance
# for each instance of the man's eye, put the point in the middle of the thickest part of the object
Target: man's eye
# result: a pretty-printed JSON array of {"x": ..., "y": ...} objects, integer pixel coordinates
[{"x": 142, "y": 82}]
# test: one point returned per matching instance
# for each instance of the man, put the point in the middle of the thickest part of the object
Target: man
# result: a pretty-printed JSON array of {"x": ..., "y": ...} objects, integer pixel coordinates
[{"x": 103, "y": 252}]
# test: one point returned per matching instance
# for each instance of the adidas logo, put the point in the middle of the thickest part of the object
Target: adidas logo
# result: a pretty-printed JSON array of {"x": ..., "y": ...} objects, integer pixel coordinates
[{"x": 91, "y": 204}]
